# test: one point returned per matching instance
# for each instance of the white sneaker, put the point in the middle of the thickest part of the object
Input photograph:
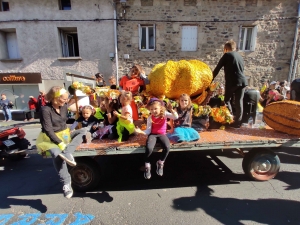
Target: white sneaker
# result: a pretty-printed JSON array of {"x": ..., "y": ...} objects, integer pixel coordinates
[
  {"x": 70, "y": 161},
  {"x": 159, "y": 168},
  {"x": 68, "y": 191},
  {"x": 147, "y": 173}
]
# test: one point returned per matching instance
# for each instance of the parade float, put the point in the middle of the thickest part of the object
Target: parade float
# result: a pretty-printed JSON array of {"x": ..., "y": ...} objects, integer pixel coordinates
[{"x": 167, "y": 82}]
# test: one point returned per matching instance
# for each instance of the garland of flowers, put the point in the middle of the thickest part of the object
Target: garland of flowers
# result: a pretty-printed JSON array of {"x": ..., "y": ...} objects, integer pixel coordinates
[
  {"x": 84, "y": 88},
  {"x": 221, "y": 114},
  {"x": 100, "y": 91}
]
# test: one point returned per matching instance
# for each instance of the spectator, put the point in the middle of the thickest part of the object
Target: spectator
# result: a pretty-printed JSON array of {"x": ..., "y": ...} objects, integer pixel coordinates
[
  {"x": 100, "y": 82},
  {"x": 295, "y": 90},
  {"x": 273, "y": 94},
  {"x": 32, "y": 103},
  {"x": 288, "y": 95},
  {"x": 113, "y": 82},
  {"x": 277, "y": 86},
  {"x": 41, "y": 101},
  {"x": 5, "y": 105}
]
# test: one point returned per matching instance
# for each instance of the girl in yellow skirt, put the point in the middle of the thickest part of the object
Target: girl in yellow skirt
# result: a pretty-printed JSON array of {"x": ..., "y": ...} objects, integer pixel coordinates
[
  {"x": 125, "y": 126},
  {"x": 55, "y": 137}
]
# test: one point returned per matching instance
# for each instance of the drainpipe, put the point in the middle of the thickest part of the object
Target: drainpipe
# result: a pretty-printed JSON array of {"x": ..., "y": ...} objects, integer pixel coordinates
[
  {"x": 294, "y": 47},
  {"x": 116, "y": 41},
  {"x": 295, "y": 67}
]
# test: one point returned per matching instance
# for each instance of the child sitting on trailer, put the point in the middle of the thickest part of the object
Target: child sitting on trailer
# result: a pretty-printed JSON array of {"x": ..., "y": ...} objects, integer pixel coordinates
[{"x": 88, "y": 122}]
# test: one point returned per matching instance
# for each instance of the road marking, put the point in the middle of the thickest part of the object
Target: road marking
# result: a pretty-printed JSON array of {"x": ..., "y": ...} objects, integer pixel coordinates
[{"x": 53, "y": 219}]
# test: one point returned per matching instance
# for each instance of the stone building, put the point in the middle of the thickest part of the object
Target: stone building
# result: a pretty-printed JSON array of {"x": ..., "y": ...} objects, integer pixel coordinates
[
  {"x": 41, "y": 41},
  {"x": 154, "y": 31}
]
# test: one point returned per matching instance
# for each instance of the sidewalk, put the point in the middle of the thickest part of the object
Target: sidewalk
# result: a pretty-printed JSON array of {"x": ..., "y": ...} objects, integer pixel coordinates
[{"x": 34, "y": 123}]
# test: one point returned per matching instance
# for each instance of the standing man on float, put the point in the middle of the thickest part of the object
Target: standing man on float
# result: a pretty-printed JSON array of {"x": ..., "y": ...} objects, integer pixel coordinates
[{"x": 235, "y": 80}]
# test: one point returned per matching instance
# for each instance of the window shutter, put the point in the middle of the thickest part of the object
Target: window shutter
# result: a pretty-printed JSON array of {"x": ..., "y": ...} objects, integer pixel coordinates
[
  {"x": 253, "y": 39},
  {"x": 12, "y": 46},
  {"x": 140, "y": 37},
  {"x": 189, "y": 38},
  {"x": 239, "y": 47},
  {"x": 154, "y": 36},
  {"x": 63, "y": 47}
]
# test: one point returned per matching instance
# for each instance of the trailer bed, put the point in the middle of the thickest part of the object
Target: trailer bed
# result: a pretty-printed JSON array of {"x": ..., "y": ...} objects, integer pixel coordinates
[{"x": 229, "y": 138}]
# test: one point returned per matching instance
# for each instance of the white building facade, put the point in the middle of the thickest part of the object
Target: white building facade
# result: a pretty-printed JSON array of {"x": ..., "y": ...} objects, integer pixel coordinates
[{"x": 43, "y": 40}]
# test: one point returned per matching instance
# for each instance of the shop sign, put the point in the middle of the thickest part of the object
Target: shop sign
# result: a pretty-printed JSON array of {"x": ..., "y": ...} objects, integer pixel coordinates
[{"x": 20, "y": 78}]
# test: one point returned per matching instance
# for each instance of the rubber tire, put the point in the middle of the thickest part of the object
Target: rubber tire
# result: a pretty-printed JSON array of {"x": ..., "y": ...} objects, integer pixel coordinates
[
  {"x": 253, "y": 157},
  {"x": 21, "y": 144},
  {"x": 88, "y": 168}
]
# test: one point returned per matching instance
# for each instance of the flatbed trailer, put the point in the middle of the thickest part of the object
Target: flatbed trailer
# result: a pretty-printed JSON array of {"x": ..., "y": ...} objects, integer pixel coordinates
[{"x": 256, "y": 146}]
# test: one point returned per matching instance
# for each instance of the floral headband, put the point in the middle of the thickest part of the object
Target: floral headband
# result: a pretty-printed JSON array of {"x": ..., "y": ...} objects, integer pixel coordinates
[
  {"x": 155, "y": 100},
  {"x": 60, "y": 92}
]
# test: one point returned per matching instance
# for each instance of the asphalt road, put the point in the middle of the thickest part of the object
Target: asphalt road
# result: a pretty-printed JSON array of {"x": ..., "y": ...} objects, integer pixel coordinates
[{"x": 197, "y": 188}]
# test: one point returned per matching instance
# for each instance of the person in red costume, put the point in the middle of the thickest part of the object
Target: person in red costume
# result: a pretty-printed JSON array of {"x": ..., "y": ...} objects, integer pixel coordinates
[
  {"x": 32, "y": 103},
  {"x": 134, "y": 83},
  {"x": 41, "y": 101}
]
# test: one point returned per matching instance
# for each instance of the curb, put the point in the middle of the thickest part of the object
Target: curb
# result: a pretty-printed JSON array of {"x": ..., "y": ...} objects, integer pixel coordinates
[{"x": 20, "y": 123}]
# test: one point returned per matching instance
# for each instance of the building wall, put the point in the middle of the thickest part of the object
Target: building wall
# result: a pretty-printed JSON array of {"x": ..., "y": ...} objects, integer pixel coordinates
[
  {"x": 37, "y": 24},
  {"x": 218, "y": 21}
]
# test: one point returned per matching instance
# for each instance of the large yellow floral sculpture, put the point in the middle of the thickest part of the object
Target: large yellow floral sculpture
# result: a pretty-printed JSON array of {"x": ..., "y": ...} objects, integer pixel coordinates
[{"x": 173, "y": 78}]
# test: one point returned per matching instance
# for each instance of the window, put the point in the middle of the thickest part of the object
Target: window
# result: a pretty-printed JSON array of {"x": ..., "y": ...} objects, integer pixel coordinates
[
  {"x": 247, "y": 40},
  {"x": 189, "y": 38},
  {"x": 251, "y": 2},
  {"x": 146, "y": 2},
  {"x": 64, "y": 4},
  {"x": 12, "y": 45},
  {"x": 190, "y": 2},
  {"x": 147, "y": 37},
  {"x": 8, "y": 39},
  {"x": 69, "y": 42},
  {"x": 4, "y": 6}
]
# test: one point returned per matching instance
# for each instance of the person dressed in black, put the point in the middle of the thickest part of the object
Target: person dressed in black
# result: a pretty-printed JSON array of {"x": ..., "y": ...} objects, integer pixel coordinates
[
  {"x": 55, "y": 137},
  {"x": 295, "y": 90},
  {"x": 235, "y": 80}
]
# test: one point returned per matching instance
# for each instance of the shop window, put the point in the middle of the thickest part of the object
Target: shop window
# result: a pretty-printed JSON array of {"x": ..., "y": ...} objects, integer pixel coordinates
[
  {"x": 19, "y": 94},
  {"x": 64, "y": 4},
  {"x": 247, "y": 40},
  {"x": 4, "y": 6},
  {"x": 69, "y": 42},
  {"x": 189, "y": 38},
  {"x": 147, "y": 37}
]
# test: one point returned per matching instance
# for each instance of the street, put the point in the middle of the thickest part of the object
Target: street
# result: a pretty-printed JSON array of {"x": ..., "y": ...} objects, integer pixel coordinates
[{"x": 197, "y": 188}]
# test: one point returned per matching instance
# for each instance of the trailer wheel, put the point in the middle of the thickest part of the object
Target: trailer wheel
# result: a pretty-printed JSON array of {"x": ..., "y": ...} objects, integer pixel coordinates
[
  {"x": 261, "y": 164},
  {"x": 85, "y": 175}
]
